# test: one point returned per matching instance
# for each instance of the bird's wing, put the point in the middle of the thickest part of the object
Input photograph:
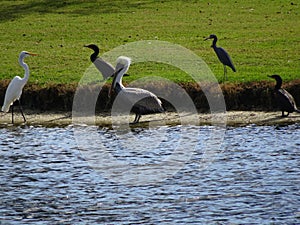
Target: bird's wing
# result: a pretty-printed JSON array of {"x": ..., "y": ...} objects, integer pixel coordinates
[
  {"x": 224, "y": 57},
  {"x": 136, "y": 94},
  {"x": 143, "y": 99},
  {"x": 105, "y": 68},
  {"x": 286, "y": 100},
  {"x": 13, "y": 92}
]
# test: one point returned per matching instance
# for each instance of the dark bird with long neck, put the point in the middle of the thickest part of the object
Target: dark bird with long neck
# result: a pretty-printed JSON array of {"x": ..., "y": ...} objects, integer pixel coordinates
[
  {"x": 284, "y": 99},
  {"x": 105, "y": 68},
  {"x": 223, "y": 56}
]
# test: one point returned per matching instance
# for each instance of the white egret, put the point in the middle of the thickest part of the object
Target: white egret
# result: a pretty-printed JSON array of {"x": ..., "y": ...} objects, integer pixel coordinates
[
  {"x": 15, "y": 87},
  {"x": 143, "y": 102}
]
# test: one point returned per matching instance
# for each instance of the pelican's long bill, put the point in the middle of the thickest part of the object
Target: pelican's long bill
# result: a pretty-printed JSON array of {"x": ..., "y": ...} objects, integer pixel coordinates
[{"x": 115, "y": 74}]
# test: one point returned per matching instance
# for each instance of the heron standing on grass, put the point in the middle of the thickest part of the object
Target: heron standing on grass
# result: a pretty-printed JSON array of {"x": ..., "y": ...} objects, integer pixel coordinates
[
  {"x": 223, "y": 56},
  {"x": 285, "y": 100},
  {"x": 106, "y": 69},
  {"x": 143, "y": 102},
  {"x": 15, "y": 87}
]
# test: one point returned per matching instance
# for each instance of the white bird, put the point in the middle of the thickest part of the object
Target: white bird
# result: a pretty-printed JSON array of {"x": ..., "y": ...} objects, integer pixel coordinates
[
  {"x": 106, "y": 69},
  {"x": 143, "y": 102},
  {"x": 15, "y": 87}
]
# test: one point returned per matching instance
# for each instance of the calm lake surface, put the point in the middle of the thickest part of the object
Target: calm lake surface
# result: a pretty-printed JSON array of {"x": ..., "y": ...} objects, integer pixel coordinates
[{"x": 46, "y": 178}]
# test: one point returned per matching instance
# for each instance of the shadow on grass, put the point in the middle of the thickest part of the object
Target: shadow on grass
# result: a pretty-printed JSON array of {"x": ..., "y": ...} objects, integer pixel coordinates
[{"x": 11, "y": 10}]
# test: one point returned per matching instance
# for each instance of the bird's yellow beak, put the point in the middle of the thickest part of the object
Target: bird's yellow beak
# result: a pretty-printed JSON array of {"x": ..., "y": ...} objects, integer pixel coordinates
[{"x": 32, "y": 54}]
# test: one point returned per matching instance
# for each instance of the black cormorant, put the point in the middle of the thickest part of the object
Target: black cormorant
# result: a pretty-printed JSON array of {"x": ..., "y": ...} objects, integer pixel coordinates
[
  {"x": 106, "y": 69},
  {"x": 285, "y": 100}
]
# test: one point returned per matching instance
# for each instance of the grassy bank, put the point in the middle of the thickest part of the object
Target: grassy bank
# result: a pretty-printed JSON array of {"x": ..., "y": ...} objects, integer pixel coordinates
[
  {"x": 246, "y": 96},
  {"x": 262, "y": 37}
]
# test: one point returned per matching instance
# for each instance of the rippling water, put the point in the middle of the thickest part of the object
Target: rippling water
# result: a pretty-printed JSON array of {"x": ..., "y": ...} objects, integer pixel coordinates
[{"x": 47, "y": 177}]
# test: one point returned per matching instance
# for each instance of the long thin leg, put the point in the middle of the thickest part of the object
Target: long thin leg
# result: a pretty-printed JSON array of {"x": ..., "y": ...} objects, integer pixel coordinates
[
  {"x": 225, "y": 73},
  {"x": 21, "y": 110},
  {"x": 137, "y": 118},
  {"x": 12, "y": 113}
]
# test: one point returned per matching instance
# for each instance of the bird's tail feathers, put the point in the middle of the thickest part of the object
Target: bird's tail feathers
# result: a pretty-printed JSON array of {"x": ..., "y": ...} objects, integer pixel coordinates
[{"x": 5, "y": 108}]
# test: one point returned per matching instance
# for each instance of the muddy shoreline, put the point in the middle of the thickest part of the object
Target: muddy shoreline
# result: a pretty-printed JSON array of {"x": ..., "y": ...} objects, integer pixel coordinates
[
  {"x": 230, "y": 118},
  {"x": 246, "y": 103}
]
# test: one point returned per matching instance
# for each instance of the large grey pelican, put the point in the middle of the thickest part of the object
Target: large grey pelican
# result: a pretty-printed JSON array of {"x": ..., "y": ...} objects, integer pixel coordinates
[
  {"x": 285, "y": 100},
  {"x": 106, "y": 69},
  {"x": 143, "y": 102},
  {"x": 223, "y": 56},
  {"x": 14, "y": 90}
]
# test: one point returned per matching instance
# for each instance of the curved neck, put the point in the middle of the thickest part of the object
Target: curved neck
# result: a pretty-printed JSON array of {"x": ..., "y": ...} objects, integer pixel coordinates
[
  {"x": 214, "y": 44},
  {"x": 118, "y": 78},
  {"x": 26, "y": 68},
  {"x": 278, "y": 83},
  {"x": 95, "y": 54}
]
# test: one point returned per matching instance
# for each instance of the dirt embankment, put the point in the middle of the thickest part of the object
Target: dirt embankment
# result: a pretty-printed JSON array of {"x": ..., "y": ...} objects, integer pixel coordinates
[{"x": 240, "y": 96}]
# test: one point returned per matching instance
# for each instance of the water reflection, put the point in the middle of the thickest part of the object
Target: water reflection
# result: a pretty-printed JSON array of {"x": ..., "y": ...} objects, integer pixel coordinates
[{"x": 46, "y": 178}]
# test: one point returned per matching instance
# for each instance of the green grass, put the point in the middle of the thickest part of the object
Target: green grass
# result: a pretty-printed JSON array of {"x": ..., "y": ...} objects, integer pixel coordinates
[{"x": 262, "y": 37}]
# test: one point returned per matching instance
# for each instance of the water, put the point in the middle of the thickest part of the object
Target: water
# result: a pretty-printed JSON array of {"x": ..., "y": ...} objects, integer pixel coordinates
[{"x": 47, "y": 178}]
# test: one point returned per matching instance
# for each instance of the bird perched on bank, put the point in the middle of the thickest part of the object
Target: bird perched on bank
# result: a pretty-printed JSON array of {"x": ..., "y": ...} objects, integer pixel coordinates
[
  {"x": 285, "y": 100},
  {"x": 142, "y": 101},
  {"x": 223, "y": 56},
  {"x": 106, "y": 69},
  {"x": 15, "y": 87}
]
